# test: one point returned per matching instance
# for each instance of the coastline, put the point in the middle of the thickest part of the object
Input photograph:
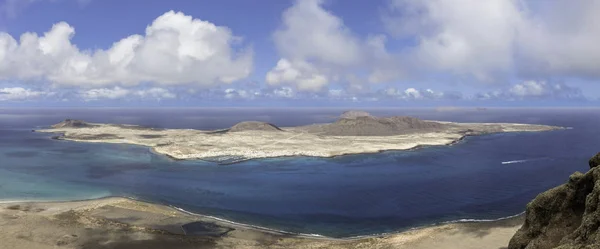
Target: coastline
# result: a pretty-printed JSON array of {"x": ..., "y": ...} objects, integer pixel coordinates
[
  {"x": 266, "y": 229},
  {"x": 117, "y": 209}
]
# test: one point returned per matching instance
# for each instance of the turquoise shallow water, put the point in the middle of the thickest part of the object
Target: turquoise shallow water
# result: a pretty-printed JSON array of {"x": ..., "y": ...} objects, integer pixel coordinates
[{"x": 485, "y": 177}]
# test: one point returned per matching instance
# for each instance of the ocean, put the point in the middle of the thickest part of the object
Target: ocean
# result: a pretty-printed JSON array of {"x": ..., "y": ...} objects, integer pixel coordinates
[{"x": 480, "y": 178}]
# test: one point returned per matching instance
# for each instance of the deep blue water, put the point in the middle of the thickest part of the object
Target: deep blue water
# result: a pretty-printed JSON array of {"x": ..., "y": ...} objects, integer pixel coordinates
[{"x": 342, "y": 196}]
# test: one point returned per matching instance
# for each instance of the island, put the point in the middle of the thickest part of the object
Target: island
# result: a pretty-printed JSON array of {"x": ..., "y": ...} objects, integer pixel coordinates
[{"x": 355, "y": 132}]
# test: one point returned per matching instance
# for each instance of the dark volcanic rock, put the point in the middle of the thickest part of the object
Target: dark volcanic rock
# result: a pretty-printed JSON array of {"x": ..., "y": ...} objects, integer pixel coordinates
[
  {"x": 254, "y": 126},
  {"x": 95, "y": 136},
  {"x": 565, "y": 217},
  {"x": 355, "y": 114},
  {"x": 72, "y": 123},
  {"x": 377, "y": 126},
  {"x": 595, "y": 161}
]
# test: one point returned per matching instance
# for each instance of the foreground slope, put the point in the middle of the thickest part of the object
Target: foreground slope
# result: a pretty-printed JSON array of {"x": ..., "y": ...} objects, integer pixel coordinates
[
  {"x": 353, "y": 133},
  {"x": 565, "y": 217},
  {"x": 119, "y": 223}
]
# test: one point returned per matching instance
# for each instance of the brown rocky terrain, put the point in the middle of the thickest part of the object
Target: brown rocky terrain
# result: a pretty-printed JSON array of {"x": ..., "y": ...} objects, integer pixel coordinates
[
  {"x": 360, "y": 123},
  {"x": 72, "y": 123},
  {"x": 254, "y": 126},
  {"x": 565, "y": 217},
  {"x": 355, "y": 114}
]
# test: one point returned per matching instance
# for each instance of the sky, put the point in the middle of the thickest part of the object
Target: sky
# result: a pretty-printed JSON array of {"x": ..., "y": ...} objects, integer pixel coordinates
[{"x": 299, "y": 53}]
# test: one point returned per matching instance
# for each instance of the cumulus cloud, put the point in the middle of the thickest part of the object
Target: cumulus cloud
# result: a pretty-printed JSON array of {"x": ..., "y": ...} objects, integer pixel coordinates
[
  {"x": 464, "y": 37},
  {"x": 176, "y": 49},
  {"x": 21, "y": 94},
  {"x": 299, "y": 73},
  {"x": 284, "y": 92},
  {"x": 450, "y": 36},
  {"x": 156, "y": 93},
  {"x": 104, "y": 93},
  {"x": 310, "y": 32},
  {"x": 123, "y": 93},
  {"x": 232, "y": 93},
  {"x": 531, "y": 90},
  {"x": 542, "y": 89},
  {"x": 561, "y": 40},
  {"x": 418, "y": 94},
  {"x": 470, "y": 41},
  {"x": 490, "y": 40},
  {"x": 316, "y": 47}
]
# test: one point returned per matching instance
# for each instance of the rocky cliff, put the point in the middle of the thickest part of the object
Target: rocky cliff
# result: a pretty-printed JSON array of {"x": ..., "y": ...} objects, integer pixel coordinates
[{"x": 565, "y": 217}]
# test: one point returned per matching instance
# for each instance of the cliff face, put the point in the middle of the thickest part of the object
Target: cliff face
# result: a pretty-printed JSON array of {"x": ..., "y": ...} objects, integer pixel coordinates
[{"x": 565, "y": 217}]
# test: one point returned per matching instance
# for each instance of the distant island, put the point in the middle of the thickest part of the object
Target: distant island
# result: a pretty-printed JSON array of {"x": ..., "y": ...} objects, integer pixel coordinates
[{"x": 355, "y": 132}]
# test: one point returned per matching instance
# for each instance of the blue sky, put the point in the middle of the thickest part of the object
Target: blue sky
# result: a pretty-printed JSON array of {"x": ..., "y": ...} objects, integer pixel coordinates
[{"x": 299, "y": 53}]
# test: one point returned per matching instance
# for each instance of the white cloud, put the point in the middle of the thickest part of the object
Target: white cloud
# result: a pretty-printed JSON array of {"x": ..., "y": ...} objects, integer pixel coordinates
[
  {"x": 311, "y": 33},
  {"x": 561, "y": 40},
  {"x": 463, "y": 37},
  {"x": 528, "y": 90},
  {"x": 20, "y": 94},
  {"x": 156, "y": 93},
  {"x": 122, "y": 93},
  {"x": 412, "y": 93},
  {"x": 542, "y": 89},
  {"x": 232, "y": 93},
  {"x": 176, "y": 49},
  {"x": 104, "y": 93},
  {"x": 417, "y": 94},
  {"x": 299, "y": 73},
  {"x": 488, "y": 41},
  {"x": 284, "y": 92},
  {"x": 451, "y": 36},
  {"x": 315, "y": 46}
]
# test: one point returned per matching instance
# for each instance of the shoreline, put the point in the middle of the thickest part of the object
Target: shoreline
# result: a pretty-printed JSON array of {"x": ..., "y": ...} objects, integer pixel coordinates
[
  {"x": 156, "y": 223},
  {"x": 464, "y": 221}
]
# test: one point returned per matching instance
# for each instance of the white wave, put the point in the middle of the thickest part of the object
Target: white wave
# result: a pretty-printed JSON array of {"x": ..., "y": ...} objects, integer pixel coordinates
[
  {"x": 433, "y": 225},
  {"x": 482, "y": 220},
  {"x": 248, "y": 225}
]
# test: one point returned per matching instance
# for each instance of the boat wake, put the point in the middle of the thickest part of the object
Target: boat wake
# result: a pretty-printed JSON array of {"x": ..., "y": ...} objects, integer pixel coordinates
[{"x": 524, "y": 160}]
